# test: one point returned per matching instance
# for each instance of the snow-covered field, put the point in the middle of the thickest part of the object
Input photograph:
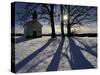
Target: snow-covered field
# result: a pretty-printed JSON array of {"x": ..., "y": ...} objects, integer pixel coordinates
[
  {"x": 68, "y": 53},
  {"x": 46, "y": 54}
]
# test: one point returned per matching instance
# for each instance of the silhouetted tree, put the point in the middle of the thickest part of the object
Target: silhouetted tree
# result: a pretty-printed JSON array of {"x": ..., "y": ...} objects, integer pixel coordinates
[
  {"x": 45, "y": 12},
  {"x": 79, "y": 15},
  {"x": 62, "y": 23},
  {"x": 50, "y": 12},
  {"x": 76, "y": 15}
]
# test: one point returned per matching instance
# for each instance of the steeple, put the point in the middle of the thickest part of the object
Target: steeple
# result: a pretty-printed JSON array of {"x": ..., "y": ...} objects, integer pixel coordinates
[{"x": 34, "y": 16}]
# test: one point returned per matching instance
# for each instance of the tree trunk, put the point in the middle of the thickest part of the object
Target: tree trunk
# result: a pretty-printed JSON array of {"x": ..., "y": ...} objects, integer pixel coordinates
[
  {"x": 62, "y": 24},
  {"x": 68, "y": 23},
  {"x": 69, "y": 29},
  {"x": 52, "y": 21}
]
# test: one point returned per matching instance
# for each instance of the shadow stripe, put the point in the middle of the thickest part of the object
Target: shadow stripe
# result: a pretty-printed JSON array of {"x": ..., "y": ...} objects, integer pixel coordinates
[
  {"x": 31, "y": 56},
  {"x": 78, "y": 61},
  {"x": 53, "y": 66}
]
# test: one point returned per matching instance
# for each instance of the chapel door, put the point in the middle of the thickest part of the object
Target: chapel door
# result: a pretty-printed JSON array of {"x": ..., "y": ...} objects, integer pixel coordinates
[{"x": 34, "y": 34}]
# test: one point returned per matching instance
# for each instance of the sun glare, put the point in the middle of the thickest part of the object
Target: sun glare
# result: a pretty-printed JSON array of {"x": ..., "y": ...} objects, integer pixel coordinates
[{"x": 65, "y": 17}]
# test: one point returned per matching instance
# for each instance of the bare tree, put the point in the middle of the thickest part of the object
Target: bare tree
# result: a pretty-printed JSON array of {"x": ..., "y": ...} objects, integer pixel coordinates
[
  {"x": 50, "y": 12},
  {"x": 62, "y": 23},
  {"x": 76, "y": 15},
  {"x": 79, "y": 15},
  {"x": 45, "y": 12}
]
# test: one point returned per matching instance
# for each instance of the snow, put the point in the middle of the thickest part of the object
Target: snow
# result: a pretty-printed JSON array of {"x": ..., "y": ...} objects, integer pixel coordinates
[
  {"x": 43, "y": 59},
  {"x": 76, "y": 52},
  {"x": 91, "y": 44},
  {"x": 22, "y": 49}
]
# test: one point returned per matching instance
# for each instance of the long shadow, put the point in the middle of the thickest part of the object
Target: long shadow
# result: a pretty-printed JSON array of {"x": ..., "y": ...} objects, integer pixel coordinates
[
  {"x": 16, "y": 34},
  {"x": 21, "y": 39},
  {"x": 77, "y": 60},
  {"x": 34, "y": 66},
  {"x": 87, "y": 48},
  {"x": 31, "y": 56},
  {"x": 53, "y": 66},
  {"x": 54, "y": 43}
]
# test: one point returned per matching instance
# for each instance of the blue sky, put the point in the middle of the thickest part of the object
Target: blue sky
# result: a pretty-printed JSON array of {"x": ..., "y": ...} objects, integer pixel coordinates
[{"x": 20, "y": 8}]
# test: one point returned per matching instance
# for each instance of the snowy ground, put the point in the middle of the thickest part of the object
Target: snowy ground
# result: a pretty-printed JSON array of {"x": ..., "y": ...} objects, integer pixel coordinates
[{"x": 45, "y": 54}]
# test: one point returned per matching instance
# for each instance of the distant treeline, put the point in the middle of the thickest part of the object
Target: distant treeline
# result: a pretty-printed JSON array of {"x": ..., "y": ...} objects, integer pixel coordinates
[
  {"x": 77, "y": 35},
  {"x": 71, "y": 35},
  {"x": 16, "y": 34}
]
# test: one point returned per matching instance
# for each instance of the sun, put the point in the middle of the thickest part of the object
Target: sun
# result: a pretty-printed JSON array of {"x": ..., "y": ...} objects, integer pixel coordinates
[{"x": 65, "y": 17}]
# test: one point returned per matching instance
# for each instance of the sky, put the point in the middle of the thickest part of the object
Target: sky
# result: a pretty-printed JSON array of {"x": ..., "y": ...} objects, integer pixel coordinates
[{"x": 20, "y": 9}]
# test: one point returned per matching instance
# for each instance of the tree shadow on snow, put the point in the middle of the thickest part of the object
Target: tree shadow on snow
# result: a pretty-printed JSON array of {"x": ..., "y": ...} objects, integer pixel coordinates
[
  {"x": 35, "y": 65},
  {"x": 53, "y": 66},
  {"x": 76, "y": 58},
  {"x": 88, "y": 48},
  {"x": 21, "y": 39},
  {"x": 31, "y": 56},
  {"x": 54, "y": 43}
]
